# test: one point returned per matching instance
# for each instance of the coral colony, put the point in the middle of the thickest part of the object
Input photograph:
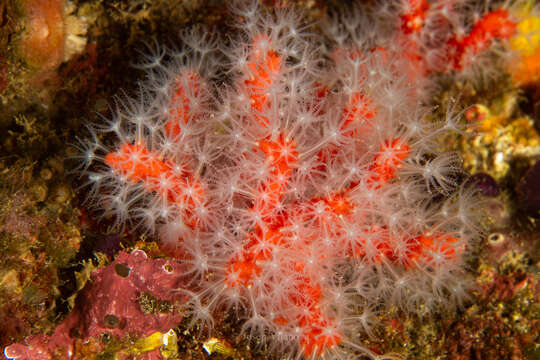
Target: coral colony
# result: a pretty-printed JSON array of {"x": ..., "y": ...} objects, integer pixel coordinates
[{"x": 297, "y": 176}]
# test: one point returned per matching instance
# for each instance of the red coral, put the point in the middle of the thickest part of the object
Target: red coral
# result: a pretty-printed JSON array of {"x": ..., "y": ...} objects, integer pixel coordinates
[
  {"x": 300, "y": 163},
  {"x": 495, "y": 25}
]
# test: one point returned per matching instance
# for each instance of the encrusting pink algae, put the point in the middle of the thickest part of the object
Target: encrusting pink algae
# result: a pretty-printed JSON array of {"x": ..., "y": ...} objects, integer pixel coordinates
[{"x": 111, "y": 303}]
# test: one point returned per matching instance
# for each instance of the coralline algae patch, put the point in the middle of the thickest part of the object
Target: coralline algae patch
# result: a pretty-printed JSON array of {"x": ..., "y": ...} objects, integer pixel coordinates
[{"x": 113, "y": 304}]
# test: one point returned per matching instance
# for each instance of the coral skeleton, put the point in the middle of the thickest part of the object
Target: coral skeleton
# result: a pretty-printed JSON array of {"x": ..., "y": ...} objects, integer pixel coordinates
[{"x": 297, "y": 176}]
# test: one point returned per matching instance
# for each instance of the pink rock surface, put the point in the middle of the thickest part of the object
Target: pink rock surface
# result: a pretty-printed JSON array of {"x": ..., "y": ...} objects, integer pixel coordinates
[{"x": 109, "y": 304}]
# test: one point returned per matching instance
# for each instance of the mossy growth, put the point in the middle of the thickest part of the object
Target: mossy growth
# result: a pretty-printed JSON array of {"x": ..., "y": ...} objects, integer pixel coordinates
[{"x": 39, "y": 234}]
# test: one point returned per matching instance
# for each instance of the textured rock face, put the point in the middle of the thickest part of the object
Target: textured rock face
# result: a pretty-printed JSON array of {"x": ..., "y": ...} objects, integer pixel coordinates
[{"x": 113, "y": 303}]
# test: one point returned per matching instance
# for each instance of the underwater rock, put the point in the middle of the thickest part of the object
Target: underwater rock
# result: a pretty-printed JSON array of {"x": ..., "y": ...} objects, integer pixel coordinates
[
  {"x": 528, "y": 191},
  {"x": 109, "y": 305}
]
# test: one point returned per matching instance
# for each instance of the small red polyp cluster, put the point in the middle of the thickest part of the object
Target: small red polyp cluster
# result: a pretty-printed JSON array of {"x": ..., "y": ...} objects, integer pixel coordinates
[
  {"x": 303, "y": 186},
  {"x": 172, "y": 181},
  {"x": 457, "y": 45},
  {"x": 495, "y": 25},
  {"x": 413, "y": 19}
]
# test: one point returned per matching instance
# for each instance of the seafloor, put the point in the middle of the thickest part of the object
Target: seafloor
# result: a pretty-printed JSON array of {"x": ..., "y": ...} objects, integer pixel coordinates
[{"x": 49, "y": 244}]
